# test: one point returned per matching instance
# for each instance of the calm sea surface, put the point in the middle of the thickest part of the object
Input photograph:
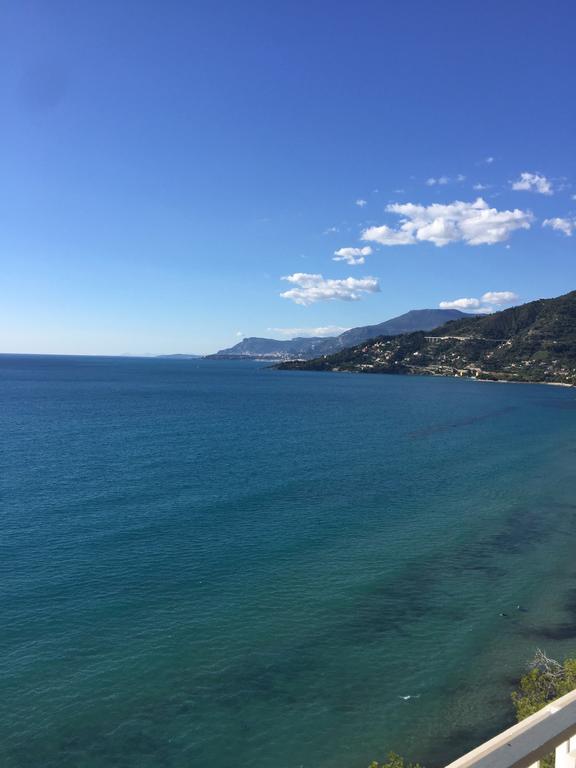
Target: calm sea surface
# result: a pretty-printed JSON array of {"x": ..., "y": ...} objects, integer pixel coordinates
[{"x": 208, "y": 564}]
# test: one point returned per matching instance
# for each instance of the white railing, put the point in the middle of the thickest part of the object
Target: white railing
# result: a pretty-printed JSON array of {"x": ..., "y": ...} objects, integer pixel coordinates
[{"x": 552, "y": 729}]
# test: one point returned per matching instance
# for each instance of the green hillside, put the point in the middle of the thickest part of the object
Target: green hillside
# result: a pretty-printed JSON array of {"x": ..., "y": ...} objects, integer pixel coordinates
[{"x": 533, "y": 342}]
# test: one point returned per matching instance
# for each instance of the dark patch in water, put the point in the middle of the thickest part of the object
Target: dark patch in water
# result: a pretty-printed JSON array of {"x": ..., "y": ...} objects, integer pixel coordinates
[
  {"x": 570, "y": 602},
  {"x": 432, "y": 430},
  {"x": 560, "y": 632},
  {"x": 559, "y": 405},
  {"x": 394, "y": 606}
]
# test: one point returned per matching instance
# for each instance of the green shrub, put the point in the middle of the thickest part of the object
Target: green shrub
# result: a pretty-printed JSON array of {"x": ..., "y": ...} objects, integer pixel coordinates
[
  {"x": 547, "y": 680},
  {"x": 394, "y": 761}
]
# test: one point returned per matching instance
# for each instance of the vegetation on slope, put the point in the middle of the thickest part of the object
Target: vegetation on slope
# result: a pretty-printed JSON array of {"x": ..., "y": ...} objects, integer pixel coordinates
[
  {"x": 546, "y": 681},
  {"x": 532, "y": 342}
]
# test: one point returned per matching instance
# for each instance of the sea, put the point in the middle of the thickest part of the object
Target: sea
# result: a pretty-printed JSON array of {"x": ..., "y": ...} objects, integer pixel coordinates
[{"x": 213, "y": 563}]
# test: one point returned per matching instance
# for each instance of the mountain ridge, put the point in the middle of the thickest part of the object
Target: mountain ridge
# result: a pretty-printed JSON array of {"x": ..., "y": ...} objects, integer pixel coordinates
[{"x": 305, "y": 347}]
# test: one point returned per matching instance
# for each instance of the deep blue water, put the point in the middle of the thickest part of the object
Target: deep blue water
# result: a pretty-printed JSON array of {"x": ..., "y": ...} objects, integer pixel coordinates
[{"x": 213, "y": 563}]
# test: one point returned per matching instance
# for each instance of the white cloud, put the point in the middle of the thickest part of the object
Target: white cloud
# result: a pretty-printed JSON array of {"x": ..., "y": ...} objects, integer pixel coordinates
[
  {"x": 388, "y": 236},
  {"x": 323, "y": 330},
  {"x": 471, "y": 223},
  {"x": 567, "y": 226},
  {"x": 480, "y": 187},
  {"x": 488, "y": 160},
  {"x": 352, "y": 255},
  {"x": 361, "y": 203},
  {"x": 533, "y": 182},
  {"x": 331, "y": 230},
  {"x": 239, "y": 334},
  {"x": 460, "y": 304},
  {"x": 442, "y": 180},
  {"x": 460, "y": 177},
  {"x": 499, "y": 297},
  {"x": 312, "y": 288},
  {"x": 488, "y": 302}
]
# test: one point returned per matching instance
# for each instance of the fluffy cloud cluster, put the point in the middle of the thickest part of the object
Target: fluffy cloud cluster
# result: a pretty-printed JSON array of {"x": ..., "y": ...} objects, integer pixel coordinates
[
  {"x": 567, "y": 226},
  {"x": 311, "y": 288},
  {"x": 471, "y": 223},
  {"x": 323, "y": 330},
  {"x": 533, "y": 182},
  {"x": 488, "y": 302},
  {"x": 352, "y": 255},
  {"x": 361, "y": 203}
]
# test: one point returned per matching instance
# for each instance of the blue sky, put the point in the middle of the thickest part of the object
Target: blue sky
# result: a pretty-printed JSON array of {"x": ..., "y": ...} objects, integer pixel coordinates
[{"x": 165, "y": 165}]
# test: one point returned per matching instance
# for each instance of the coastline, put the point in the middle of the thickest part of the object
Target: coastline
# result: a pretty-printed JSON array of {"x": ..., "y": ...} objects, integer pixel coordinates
[{"x": 280, "y": 367}]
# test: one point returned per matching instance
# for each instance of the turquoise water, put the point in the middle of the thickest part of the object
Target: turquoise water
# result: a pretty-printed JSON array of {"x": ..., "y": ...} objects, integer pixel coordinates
[{"x": 216, "y": 564}]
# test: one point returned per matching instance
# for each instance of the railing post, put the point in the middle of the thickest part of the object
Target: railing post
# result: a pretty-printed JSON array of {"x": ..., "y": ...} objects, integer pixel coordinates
[
  {"x": 562, "y": 756},
  {"x": 566, "y": 754}
]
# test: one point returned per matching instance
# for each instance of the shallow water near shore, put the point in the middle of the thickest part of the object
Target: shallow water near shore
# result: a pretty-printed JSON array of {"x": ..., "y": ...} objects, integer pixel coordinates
[{"x": 214, "y": 563}]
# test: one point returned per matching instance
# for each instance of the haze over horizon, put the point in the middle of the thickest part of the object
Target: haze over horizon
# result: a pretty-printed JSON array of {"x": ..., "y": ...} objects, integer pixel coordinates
[{"x": 177, "y": 180}]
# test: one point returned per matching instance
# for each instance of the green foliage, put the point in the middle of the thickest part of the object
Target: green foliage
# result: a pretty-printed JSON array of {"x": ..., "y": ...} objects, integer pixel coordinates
[
  {"x": 546, "y": 681},
  {"x": 532, "y": 696},
  {"x": 394, "y": 761}
]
